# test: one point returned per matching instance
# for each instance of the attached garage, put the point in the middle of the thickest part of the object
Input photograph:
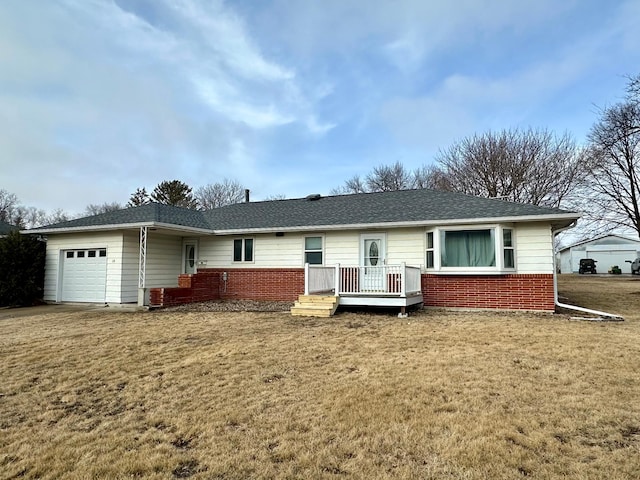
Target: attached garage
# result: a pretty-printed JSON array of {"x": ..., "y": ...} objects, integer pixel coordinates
[{"x": 84, "y": 275}]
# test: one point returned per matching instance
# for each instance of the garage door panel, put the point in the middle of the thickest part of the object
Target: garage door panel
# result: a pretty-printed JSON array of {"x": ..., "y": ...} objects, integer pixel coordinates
[
  {"x": 607, "y": 258},
  {"x": 83, "y": 276}
]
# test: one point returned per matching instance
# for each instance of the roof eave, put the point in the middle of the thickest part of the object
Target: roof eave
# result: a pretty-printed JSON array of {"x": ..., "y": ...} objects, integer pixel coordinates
[
  {"x": 562, "y": 219},
  {"x": 119, "y": 226}
]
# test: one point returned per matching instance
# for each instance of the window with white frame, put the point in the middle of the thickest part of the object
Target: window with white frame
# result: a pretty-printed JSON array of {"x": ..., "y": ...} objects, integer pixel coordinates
[
  {"x": 313, "y": 250},
  {"x": 508, "y": 250},
  {"x": 489, "y": 249},
  {"x": 243, "y": 250},
  {"x": 430, "y": 251},
  {"x": 468, "y": 248}
]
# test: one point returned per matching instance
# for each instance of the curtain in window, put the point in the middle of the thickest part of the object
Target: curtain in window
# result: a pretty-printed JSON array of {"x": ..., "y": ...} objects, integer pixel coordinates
[{"x": 468, "y": 248}]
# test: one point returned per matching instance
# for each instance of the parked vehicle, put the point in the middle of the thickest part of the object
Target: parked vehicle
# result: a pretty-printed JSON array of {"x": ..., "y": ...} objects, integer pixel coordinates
[
  {"x": 587, "y": 265},
  {"x": 615, "y": 270},
  {"x": 635, "y": 266}
]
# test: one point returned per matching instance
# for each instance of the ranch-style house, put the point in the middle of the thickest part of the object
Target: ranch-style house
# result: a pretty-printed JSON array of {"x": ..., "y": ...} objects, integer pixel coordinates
[{"x": 396, "y": 248}]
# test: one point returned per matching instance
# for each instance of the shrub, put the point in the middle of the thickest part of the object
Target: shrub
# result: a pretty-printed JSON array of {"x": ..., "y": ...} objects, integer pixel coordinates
[{"x": 21, "y": 269}]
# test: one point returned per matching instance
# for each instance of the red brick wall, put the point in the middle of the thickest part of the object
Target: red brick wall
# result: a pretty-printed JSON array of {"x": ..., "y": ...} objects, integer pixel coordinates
[
  {"x": 191, "y": 288},
  {"x": 517, "y": 292},
  {"x": 267, "y": 284}
]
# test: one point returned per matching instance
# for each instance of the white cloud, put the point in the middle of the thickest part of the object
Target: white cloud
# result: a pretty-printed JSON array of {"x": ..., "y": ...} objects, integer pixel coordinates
[{"x": 101, "y": 97}]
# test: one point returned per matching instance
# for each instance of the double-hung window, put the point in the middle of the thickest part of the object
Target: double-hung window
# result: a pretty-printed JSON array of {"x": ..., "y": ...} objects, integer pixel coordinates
[
  {"x": 313, "y": 250},
  {"x": 485, "y": 249},
  {"x": 508, "y": 250},
  {"x": 243, "y": 250},
  {"x": 430, "y": 251}
]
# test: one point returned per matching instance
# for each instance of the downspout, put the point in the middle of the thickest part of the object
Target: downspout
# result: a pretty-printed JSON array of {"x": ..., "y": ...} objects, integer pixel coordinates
[{"x": 566, "y": 305}]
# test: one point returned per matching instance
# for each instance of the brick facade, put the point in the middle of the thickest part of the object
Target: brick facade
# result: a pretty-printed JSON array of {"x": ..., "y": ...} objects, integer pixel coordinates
[
  {"x": 515, "y": 292},
  {"x": 262, "y": 284}
]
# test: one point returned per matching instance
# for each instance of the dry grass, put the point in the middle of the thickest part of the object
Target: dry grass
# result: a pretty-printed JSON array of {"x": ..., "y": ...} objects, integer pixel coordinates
[{"x": 106, "y": 394}]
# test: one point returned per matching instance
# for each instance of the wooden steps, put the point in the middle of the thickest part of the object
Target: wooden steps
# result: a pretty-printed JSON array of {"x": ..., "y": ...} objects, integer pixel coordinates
[{"x": 315, "y": 306}]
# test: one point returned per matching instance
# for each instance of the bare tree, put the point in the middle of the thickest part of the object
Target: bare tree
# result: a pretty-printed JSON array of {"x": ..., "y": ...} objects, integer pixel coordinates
[
  {"x": 8, "y": 204},
  {"x": 277, "y": 196},
  {"x": 96, "y": 209},
  {"x": 29, "y": 217},
  {"x": 57, "y": 216},
  {"x": 354, "y": 185},
  {"x": 383, "y": 178},
  {"x": 615, "y": 167},
  {"x": 389, "y": 178},
  {"x": 530, "y": 166},
  {"x": 633, "y": 89},
  {"x": 219, "y": 194},
  {"x": 429, "y": 176},
  {"x": 139, "y": 197}
]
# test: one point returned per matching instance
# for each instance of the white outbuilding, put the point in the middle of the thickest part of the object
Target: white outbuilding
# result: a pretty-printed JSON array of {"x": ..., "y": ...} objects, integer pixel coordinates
[{"x": 607, "y": 250}]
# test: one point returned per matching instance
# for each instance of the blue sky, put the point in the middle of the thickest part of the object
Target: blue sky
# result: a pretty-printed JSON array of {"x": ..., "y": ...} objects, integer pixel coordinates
[{"x": 99, "y": 97}]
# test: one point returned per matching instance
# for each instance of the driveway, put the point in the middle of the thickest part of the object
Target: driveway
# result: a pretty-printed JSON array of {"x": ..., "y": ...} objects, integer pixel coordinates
[{"x": 6, "y": 313}]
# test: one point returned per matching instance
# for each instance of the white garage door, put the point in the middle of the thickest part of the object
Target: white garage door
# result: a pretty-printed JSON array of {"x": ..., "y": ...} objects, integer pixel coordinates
[
  {"x": 606, "y": 259},
  {"x": 84, "y": 275}
]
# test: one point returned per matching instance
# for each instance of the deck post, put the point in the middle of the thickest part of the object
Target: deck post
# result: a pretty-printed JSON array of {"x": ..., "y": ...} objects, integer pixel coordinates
[
  {"x": 403, "y": 280},
  {"x": 306, "y": 279},
  {"x": 337, "y": 281}
]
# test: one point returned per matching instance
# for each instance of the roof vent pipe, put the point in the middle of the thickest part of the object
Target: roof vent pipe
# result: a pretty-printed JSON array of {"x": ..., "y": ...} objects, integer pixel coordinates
[{"x": 246, "y": 195}]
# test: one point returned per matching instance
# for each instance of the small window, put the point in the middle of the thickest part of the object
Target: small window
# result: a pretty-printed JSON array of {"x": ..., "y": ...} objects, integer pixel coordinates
[
  {"x": 313, "y": 250},
  {"x": 80, "y": 253},
  {"x": 103, "y": 252},
  {"x": 508, "y": 250},
  {"x": 430, "y": 251},
  {"x": 70, "y": 254},
  {"x": 91, "y": 253},
  {"x": 243, "y": 250}
]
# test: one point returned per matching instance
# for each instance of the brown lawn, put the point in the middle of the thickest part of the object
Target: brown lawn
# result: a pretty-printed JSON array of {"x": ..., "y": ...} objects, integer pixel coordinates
[{"x": 453, "y": 395}]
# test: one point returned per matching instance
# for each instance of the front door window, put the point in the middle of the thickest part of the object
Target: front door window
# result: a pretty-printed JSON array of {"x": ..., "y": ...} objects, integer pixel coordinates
[
  {"x": 372, "y": 257},
  {"x": 190, "y": 258}
]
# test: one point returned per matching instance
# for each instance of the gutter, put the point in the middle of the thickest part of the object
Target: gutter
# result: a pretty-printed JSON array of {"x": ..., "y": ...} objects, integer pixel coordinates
[
  {"x": 610, "y": 316},
  {"x": 408, "y": 223}
]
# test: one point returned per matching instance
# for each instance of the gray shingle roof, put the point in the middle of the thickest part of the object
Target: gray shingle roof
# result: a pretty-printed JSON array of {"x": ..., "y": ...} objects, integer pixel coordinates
[
  {"x": 387, "y": 207},
  {"x": 152, "y": 212},
  {"x": 368, "y": 208}
]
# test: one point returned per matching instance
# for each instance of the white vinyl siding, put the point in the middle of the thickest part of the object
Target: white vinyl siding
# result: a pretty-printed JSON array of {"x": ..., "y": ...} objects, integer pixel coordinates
[
  {"x": 406, "y": 245},
  {"x": 268, "y": 251},
  {"x": 534, "y": 248},
  {"x": 112, "y": 241},
  {"x": 164, "y": 260},
  {"x": 342, "y": 248},
  {"x": 130, "y": 267},
  {"x": 532, "y": 245}
]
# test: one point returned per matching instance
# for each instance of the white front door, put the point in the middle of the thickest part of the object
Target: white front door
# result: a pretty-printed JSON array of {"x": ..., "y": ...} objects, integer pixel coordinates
[
  {"x": 190, "y": 253},
  {"x": 372, "y": 261}
]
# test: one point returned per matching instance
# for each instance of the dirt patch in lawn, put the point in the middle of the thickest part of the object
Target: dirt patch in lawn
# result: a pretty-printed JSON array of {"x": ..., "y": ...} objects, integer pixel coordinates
[{"x": 236, "y": 395}]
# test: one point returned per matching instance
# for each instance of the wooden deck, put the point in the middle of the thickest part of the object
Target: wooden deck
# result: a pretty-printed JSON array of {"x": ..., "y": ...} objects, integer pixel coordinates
[{"x": 380, "y": 286}]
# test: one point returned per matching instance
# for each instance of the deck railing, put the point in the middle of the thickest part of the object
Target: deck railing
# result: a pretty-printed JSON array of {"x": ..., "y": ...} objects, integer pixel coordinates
[{"x": 388, "y": 280}]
